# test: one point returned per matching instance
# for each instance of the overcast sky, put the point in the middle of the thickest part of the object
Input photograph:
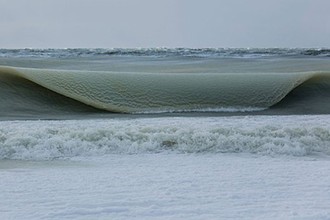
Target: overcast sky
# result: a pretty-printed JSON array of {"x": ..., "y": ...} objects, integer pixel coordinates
[{"x": 164, "y": 23}]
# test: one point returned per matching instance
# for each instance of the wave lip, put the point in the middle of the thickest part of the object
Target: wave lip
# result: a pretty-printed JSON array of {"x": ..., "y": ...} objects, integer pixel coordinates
[{"x": 262, "y": 135}]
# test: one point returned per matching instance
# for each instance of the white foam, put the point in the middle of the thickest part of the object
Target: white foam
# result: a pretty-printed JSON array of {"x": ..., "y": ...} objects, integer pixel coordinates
[
  {"x": 171, "y": 186},
  {"x": 266, "y": 135},
  {"x": 223, "y": 109}
]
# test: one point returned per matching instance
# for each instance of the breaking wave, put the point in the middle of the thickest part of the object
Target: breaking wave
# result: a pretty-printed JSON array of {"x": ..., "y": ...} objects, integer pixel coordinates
[{"x": 262, "y": 135}]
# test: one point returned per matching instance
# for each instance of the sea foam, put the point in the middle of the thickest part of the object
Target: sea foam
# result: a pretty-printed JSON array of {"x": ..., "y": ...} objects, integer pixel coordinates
[{"x": 263, "y": 135}]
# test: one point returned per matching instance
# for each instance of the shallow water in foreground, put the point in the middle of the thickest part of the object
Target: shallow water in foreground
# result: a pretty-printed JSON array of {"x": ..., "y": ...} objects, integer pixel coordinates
[
  {"x": 167, "y": 186},
  {"x": 256, "y": 167}
]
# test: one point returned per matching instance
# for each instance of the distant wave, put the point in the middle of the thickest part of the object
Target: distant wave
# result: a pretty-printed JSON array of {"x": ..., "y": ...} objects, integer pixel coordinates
[
  {"x": 45, "y": 90},
  {"x": 164, "y": 52},
  {"x": 262, "y": 135}
]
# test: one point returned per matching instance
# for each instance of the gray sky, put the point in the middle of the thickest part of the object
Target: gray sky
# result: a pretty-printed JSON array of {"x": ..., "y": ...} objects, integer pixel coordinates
[{"x": 164, "y": 23}]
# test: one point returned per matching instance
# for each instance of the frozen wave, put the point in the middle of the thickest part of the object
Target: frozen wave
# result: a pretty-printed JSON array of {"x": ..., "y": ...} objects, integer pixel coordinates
[{"x": 131, "y": 92}]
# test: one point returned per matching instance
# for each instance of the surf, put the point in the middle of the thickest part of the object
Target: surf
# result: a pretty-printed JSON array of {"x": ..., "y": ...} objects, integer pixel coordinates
[{"x": 263, "y": 135}]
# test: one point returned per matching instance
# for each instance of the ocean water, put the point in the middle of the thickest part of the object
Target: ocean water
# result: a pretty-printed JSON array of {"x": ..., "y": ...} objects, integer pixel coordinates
[{"x": 164, "y": 133}]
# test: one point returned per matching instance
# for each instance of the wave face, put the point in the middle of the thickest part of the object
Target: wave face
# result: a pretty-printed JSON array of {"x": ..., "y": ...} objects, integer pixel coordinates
[
  {"x": 36, "y": 85},
  {"x": 147, "y": 92},
  {"x": 152, "y": 93},
  {"x": 263, "y": 135}
]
